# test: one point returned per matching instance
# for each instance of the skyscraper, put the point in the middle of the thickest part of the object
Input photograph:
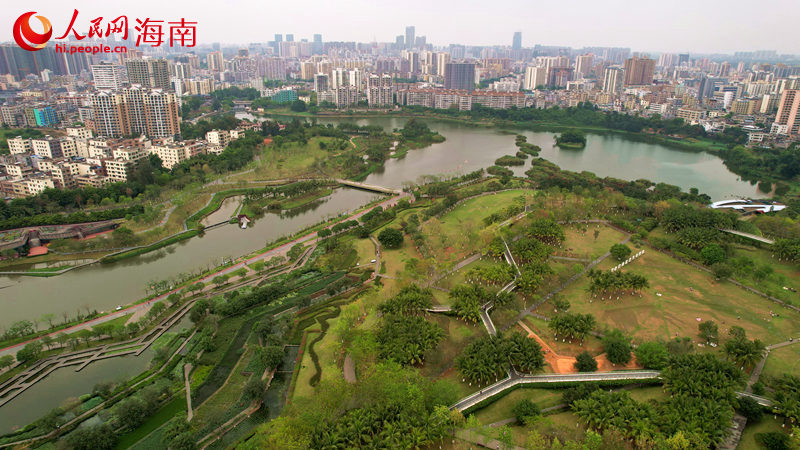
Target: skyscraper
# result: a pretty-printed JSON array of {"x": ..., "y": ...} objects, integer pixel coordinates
[
  {"x": 639, "y": 71},
  {"x": 149, "y": 73},
  {"x": 410, "y": 40},
  {"x": 289, "y": 37},
  {"x": 316, "y": 47},
  {"x": 459, "y": 76},
  {"x": 516, "y": 44},
  {"x": 399, "y": 41}
]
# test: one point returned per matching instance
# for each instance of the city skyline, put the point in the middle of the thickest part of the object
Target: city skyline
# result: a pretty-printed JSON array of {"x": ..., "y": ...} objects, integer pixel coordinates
[{"x": 712, "y": 27}]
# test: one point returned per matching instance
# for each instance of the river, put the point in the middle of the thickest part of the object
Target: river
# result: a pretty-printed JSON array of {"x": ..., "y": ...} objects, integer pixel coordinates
[{"x": 467, "y": 148}]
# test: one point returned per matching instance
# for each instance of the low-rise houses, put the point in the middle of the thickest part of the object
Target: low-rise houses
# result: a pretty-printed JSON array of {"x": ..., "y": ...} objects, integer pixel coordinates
[{"x": 79, "y": 159}]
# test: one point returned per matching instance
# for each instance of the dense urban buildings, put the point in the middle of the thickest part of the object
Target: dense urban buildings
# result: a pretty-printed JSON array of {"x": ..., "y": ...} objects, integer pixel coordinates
[{"x": 139, "y": 95}]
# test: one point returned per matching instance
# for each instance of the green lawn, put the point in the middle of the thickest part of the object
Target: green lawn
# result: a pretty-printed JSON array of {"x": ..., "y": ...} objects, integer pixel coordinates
[
  {"x": 461, "y": 232},
  {"x": 783, "y": 360},
  {"x": 158, "y": 419},
  {"x": 686, "y": 295},
  {"x": 501, "y": 409},
  {"x": 785, "y": 274},
  {"x": 458, "y": 335},
  {"x": 459, "y": 277},
  {"x": 225, "y": 398},
  {"x": 581, "y": 243},
  {"x": 765, "y": 425},
  {"x": 326, "y": 351}
]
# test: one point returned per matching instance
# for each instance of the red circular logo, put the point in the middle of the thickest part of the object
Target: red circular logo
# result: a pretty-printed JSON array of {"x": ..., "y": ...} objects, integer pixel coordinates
[{"x": 26, "y": 37}]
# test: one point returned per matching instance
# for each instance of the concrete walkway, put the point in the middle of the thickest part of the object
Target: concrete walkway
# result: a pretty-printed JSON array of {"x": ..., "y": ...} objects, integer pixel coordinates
[
  {"x": 754, "y": 237},
  {"x": 14, "y": 386}
]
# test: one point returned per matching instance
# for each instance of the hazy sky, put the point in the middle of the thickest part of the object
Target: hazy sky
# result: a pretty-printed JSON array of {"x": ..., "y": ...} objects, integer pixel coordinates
[{"x": 702, "y": 26}]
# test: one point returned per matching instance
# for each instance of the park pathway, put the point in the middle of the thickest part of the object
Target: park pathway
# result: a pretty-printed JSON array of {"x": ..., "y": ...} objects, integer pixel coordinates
[
  {"x": 760, "y": 366},
  {"x": 17, "y": 384},
  {"x": 187, "y": 369},
  {"x": 564, "y": 285},
  {"x": 754, "y": 237}
]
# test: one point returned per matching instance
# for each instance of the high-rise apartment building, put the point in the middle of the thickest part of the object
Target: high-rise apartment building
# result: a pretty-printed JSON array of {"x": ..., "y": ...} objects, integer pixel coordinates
[
  {"x": 380, "y": 91},
  {"x": 516, "y": 43},
  {"x": 321, "y": 82},
  {"x": 109, "y": 76},
  {"x": 613, "y": 80},
  {"x": 135, "y": 111},
  {"x": 215, "y": 62},
  {"x": 787, "y": 121},
  {"x": 410, "y": 40},
  {"x": 534, "y": 77},
  {"x": 149, "y": 73},
  {"x": 639, "y": 71},
  {"x": 459, "y": 76},
  {"x": 442, "y": 59},
  {"x": 583, "y": 65}
]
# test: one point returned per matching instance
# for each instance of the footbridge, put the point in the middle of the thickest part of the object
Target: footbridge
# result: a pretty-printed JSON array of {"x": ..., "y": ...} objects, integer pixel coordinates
[
  {"x": 369, "y": 187},
  {"x": 754, "y": 237}
]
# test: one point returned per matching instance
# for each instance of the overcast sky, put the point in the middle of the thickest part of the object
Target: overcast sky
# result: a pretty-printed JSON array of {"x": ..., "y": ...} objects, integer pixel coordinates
[{"x": 699, "y": 26}]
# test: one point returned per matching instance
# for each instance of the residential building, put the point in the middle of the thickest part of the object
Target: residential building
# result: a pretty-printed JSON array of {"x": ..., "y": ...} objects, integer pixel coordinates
[
  {"x": 109, "y": 76},
  {"x": 613, "y": 79},
  {"x": 215, "y": 62},
  {"x": 787, "y": 120},
  {"x": 380, "y": 90},
  {"x": 534, "y": 77},
  {"x": 149, "y": 73},
  {"x": 136, "y": 111},
  {"x": 19, "y": 145},
  {"x": 459, "y": 76},
  {"x": 639, "y": 71}
]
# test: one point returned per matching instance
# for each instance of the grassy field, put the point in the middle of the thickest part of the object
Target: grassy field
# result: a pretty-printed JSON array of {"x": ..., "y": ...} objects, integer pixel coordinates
[
  {"x": 686, "y": 295},
  {"x": 458, "y": 335},
  {"x": 326, "y": 350},
  {"x": 225, "y": 397},
  {"x": 152, "y": 423},
  {"x": 581, "y": 243},
  {"x": 396, "y": 259},
  {"x": 783, "y": 360},
  {"x": 460, "y": 232},
  {"x": 459, "y": 277},
  {"x": 767, "y": 424},
  {"x": 501, "y": 409},
  {"x": 785, "y": 274},
  {"x": 591, "y": 344}
]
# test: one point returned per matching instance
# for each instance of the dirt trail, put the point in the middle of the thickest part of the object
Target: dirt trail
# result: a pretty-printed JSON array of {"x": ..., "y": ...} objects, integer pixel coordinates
[{"x": 566, "y": 364}]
